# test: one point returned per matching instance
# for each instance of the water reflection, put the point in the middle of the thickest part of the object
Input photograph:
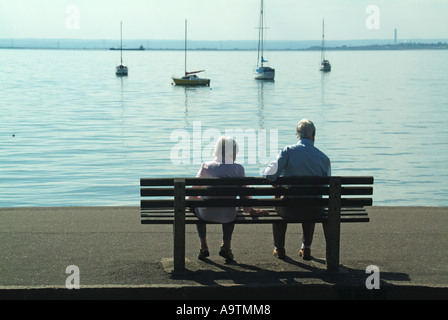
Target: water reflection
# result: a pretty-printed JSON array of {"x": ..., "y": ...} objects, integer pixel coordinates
[
  {"x": 187, "y": 92},
  {"x": 262, "y": 86},
  {"x": 260, "y": 91},
  {"x": 123, "y": 107},
  {"x": 323, "y": 79}
]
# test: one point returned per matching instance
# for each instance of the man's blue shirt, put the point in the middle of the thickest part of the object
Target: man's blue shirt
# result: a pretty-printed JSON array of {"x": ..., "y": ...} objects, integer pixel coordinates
[{"x": 301, "y": 159}]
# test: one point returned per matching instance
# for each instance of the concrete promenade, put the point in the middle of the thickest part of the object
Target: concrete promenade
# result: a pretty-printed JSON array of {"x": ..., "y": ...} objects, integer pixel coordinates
[{"x": 118, "y": 258}]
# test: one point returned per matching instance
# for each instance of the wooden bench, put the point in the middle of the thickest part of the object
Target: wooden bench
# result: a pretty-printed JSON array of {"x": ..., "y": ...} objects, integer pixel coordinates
[{"x": 164, "y": 201}]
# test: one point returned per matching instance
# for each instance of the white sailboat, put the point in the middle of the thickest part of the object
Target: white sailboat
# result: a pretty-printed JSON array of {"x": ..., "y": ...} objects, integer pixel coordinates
[
  {"x": 325, "y": 64},
  {"x": 262, "y": 72},
  {"x": 121, "y": 70},
  {"x": 190, "y": 78}
]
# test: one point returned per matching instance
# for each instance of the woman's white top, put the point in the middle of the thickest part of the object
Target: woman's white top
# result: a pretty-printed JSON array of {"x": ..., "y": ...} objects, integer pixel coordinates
[{"x": 216, "y": 168}]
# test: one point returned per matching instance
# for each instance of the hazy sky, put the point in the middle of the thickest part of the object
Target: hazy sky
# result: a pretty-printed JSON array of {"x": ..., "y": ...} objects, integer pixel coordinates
[{"x": 223, "y": 19}]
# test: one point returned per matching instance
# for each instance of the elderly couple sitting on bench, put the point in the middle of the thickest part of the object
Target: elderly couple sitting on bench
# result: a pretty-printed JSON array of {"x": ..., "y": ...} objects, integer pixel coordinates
[{"x": 301, "y": 159}]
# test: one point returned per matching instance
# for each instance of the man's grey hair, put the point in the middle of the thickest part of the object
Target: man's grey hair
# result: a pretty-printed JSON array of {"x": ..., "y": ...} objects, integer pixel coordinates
[{"x": 305, "y": 129}]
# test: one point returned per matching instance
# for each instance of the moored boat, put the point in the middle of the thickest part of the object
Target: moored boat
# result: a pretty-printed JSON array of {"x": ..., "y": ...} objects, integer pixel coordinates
[
  {"x": 325, "y": 65},
  {"x": 190, "y": 78},
  {"x": 121, "y": 70},
  {"x": 262, "y": 72}
]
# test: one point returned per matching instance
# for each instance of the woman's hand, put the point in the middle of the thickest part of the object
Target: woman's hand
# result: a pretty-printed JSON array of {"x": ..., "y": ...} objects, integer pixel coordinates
[{"x": 258, "y": 212}]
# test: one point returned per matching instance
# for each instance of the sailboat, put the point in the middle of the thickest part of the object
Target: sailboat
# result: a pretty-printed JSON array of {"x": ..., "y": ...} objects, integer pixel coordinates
[
  {"x": 325, "y": 64},
  {"x": 190, "y": 78},
  {"x": 121, "y": 70},
  {"x": 262, "y": 72}
]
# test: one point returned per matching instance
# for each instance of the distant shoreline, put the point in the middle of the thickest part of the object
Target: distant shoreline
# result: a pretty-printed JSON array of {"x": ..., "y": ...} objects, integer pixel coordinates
[
  {"x": 379, "y": 47},
  {"x": 227, "y": 45},
  {"x": 400, "y": 46}
]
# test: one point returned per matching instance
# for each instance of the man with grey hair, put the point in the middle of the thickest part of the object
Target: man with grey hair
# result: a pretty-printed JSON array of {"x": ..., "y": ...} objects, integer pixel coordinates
[{"x": 301, "y": 159}]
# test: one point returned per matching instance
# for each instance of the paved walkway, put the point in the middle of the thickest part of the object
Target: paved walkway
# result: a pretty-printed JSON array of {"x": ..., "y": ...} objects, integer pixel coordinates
[{"x": 118, "y": 257}]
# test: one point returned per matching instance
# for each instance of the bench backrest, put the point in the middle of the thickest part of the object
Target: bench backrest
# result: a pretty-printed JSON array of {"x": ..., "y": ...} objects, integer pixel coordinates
[{"x": 328, "y": 192}]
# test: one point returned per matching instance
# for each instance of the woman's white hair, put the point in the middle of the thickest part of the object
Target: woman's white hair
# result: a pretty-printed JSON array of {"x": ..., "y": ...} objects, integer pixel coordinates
[
  {"x": 226, "y": 149},
  {"x": 305, "y": 129}
]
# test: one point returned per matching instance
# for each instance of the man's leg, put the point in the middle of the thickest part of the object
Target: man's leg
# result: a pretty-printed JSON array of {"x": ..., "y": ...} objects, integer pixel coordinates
[
  {"x": 308, "y": 233},
  {"x": 307, "y": 239},
  {"x": 279, "y": 233}
]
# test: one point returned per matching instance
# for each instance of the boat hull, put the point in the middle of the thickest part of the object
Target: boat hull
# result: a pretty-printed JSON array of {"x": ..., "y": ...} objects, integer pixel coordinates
[
  {"x": 121, "y": 70},
  {"x": 325, "y": 66},
  {"x": 191, "y": 82},
  {"x": 264, "y": 73}
]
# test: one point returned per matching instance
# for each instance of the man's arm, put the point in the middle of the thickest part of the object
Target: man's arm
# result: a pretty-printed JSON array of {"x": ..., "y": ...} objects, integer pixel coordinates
[{"x": 275, "y": 168}]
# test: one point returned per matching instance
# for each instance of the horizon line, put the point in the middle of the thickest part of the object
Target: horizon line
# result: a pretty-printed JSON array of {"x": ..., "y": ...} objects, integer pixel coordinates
[{"x": 202, "y": 40}]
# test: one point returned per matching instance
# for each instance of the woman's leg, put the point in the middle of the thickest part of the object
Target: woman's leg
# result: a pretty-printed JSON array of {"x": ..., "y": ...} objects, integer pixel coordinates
[
  {"x": 227, "y": 231},
  {"x": 202, "y": 233}
]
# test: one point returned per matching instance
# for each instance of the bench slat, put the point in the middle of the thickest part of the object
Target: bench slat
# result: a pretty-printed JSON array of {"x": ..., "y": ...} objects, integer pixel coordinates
[
  {"x": 258, "y": 220},
  {"x": 271, "y": 210},
  {"x": 166, "y": 216},
  {"x": 322, "y": 202},
  {"x": 145, "y": 182},
  {"x": 237, "y": 191},
  {"x": 222, "y": 202},
  {"x": 252, "y": 191},
  {"x": 170, "y": 217}
]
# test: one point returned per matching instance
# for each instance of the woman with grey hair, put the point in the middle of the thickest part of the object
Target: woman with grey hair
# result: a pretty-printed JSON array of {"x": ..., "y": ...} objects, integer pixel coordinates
[{"x": 222, "y": 166}]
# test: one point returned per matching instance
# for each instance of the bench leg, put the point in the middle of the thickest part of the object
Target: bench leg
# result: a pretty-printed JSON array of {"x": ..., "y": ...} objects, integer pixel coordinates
[
  {"x": 179, "y": 225},
  {"x": 332, "y": 239},
  {"x": 179, "y": 247},
  {"x": 332, "y": 227}
]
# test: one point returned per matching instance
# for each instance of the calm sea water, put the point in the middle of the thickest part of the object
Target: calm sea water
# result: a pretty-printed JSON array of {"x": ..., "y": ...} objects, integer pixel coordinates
[{"x": 72, "y": 133}]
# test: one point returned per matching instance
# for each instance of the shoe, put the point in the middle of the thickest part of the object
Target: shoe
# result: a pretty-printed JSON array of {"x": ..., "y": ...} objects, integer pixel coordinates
[
  {"x": 305, "y": 253},
  {"x": 203, "y": 253},
  {"x": 280, "y": 253},
  {"x": 226, "y": 253}
]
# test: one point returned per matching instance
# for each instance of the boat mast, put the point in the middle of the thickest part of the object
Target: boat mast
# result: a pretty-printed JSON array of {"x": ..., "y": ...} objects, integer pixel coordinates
[
  {"x": 322, "y": 53},
  {"x": 185, "y": 46},
  {"x": 260, "y": 36},
  {"x": 121, "y": 42}
]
